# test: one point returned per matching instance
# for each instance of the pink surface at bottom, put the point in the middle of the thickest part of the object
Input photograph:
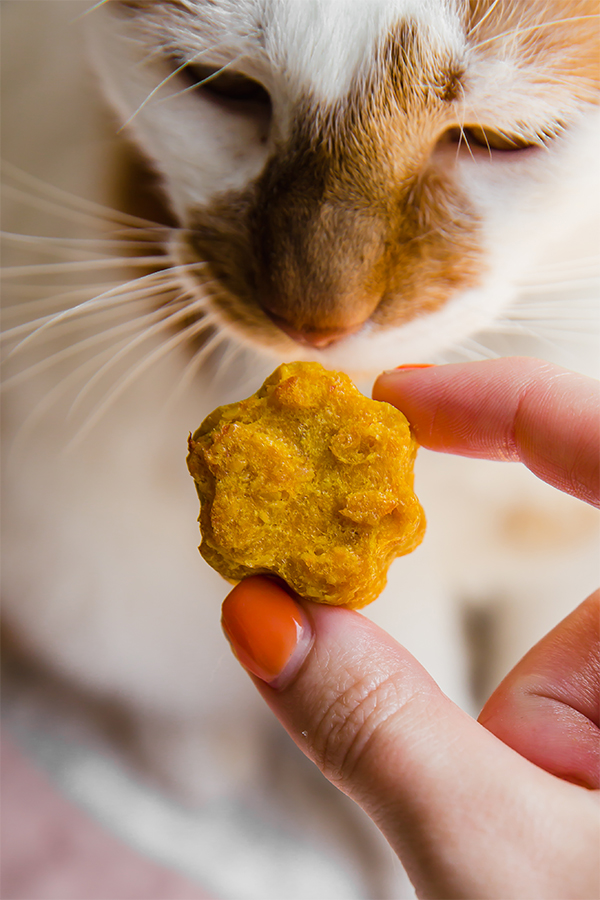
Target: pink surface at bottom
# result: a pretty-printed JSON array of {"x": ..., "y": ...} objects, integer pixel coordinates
[{"x": 52, "y": 851}]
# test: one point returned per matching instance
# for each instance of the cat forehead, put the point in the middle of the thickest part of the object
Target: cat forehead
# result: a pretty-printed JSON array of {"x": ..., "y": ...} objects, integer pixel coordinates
[{"x": 318, "y": 45}]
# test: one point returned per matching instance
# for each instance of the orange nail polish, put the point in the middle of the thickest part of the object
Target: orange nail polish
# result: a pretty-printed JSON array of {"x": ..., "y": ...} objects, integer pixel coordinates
[
  {"x": 414, "y": 366},
  {"x": 268, "y": 631},
  {"x": 407, "y": 366}
]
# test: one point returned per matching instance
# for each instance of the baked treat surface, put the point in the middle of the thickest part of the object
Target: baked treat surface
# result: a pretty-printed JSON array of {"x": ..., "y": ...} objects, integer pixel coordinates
[{"x": 309, "y": 480}]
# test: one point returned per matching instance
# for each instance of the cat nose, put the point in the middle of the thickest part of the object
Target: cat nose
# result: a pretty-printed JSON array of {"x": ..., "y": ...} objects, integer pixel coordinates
[{"x": 319, "y": 338}]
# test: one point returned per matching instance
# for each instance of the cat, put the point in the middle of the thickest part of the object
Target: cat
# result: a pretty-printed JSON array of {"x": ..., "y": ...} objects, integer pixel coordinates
[{"x": 361, "y": 183}]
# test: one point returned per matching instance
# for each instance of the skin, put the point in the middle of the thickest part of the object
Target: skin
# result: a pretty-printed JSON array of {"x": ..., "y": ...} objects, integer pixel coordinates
[{"x": 506, "y": 806}]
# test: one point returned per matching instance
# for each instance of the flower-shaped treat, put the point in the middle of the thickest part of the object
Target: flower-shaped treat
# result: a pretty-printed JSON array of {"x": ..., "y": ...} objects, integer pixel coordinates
[{"x": 309, "y": 480}]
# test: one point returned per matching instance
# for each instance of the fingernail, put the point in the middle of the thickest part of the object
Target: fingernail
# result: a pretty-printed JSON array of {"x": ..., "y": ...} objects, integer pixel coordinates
[
  {"x": 268, "y": 631},
  {"x": 409, "y": 366}
]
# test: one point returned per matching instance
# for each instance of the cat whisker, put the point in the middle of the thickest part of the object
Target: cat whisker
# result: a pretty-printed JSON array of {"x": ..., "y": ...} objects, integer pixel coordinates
[
  {"x": 75, "y": 348},
  {"x": 557, "y": 286},
  {"x": 166, "y": 80},
  {"x": 150, "y": 57},
  {"x": 189, "y": 89},
  {"x": 561, "y": 327},
  {"x": 65, "y": 212},
  {"x": 555, "y": 321},
  {"x": 112, "y": 300},
  {"x": 87, "y": 265},
  {"x": 186, "y": 90},
  {"x": 152, "y": 94},
  {"x": 159, "y": 53},
  {"x": 166, "y": 277},
  {"x": 570, "y": 82},
  {"x": 474, "y": 350},
  {"x": 584, "y": 266},
  {"x": 566, "y": 297},
  {"x": 233, "y": 350},
  {"x": 35, "y": 291},
  {"x": 25, "y": 327},
  {"x": 102, "y": 361},
  {"x": 86, "y": 12},
  {"x": 193, "y": 366},
  {"x": 53, "y": 245},
  {"x": 480, "y": 348},
  {"x": 552, "y": 312},
  {"x": 551, "y": 320},
  {"x": 116, "y": 294},
  {"x": 553, "y": 339},
  {"x": 60, "y": 389},
  {"x": 240, "y": 359},
  {"x": 23, "y": 309},
  {"x": 96, "y": 210},
  {"x": 97, "y": 319},
  {"x": 518, "y": 32},
  {"x": 562, "y": 334},
  {"x": 199, "y": 84},
  {"x": 483, "y": 131},
  {"x": 136, "y": 372},
  {"x": 463, "y": 137},
  {"x": 484, "y": 18},
  {"x": 227, "y": 360},
  {"x": 165, "y": 323}
]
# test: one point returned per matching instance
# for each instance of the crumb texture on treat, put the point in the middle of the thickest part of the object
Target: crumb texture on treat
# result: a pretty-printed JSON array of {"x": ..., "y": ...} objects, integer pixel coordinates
[{"x": 309, "y": 480}]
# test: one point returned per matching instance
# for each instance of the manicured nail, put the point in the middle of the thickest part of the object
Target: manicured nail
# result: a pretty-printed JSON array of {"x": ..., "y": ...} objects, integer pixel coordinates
[
  {"x": 409, "y": 366},
  {"x": 268, "y": 631}
]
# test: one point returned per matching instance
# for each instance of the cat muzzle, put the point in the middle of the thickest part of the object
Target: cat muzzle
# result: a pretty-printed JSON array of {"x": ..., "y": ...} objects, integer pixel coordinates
[{"x": 319, "y": 338}]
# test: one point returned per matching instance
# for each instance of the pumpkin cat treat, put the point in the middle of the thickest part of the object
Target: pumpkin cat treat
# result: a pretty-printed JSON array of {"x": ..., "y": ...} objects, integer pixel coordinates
[{"x": 310, "y": 480}]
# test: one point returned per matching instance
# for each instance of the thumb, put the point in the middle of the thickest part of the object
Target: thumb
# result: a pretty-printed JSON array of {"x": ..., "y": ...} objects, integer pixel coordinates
[{"x": 443, "y": 789}]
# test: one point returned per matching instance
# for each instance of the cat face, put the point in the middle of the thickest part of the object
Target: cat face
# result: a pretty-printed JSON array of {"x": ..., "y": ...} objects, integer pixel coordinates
[{"x": 358, "y": 179}]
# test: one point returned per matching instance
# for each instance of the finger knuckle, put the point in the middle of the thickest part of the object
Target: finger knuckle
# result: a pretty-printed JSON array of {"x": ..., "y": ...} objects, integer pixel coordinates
[{"x": 351, "y": 720}]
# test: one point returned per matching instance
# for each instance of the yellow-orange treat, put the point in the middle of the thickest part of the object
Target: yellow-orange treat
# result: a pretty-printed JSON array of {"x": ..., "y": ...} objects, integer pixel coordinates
[{"x": 309, "y": 480}]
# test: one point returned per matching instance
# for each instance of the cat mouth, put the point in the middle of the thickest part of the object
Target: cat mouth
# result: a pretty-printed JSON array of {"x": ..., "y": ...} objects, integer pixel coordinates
[
  {"x": 234, "y": 295},
  {"x": 234, "y": 300},
  {"x": 251, "y": 323},
  {"x": 320, "y": 339}
]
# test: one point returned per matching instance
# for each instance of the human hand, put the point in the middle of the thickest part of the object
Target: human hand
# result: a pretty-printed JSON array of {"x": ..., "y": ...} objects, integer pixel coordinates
[{"x": 473, "y": 809}]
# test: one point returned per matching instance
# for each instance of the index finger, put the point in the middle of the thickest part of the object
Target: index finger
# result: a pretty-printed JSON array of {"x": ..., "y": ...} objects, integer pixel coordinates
[{"x": 512, "y": 409}]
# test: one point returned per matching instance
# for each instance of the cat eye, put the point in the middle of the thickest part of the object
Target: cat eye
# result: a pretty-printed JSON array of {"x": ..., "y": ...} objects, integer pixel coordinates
[
  {"x": 225, "y": 84},
  {"x": 488, "y": 138}
]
